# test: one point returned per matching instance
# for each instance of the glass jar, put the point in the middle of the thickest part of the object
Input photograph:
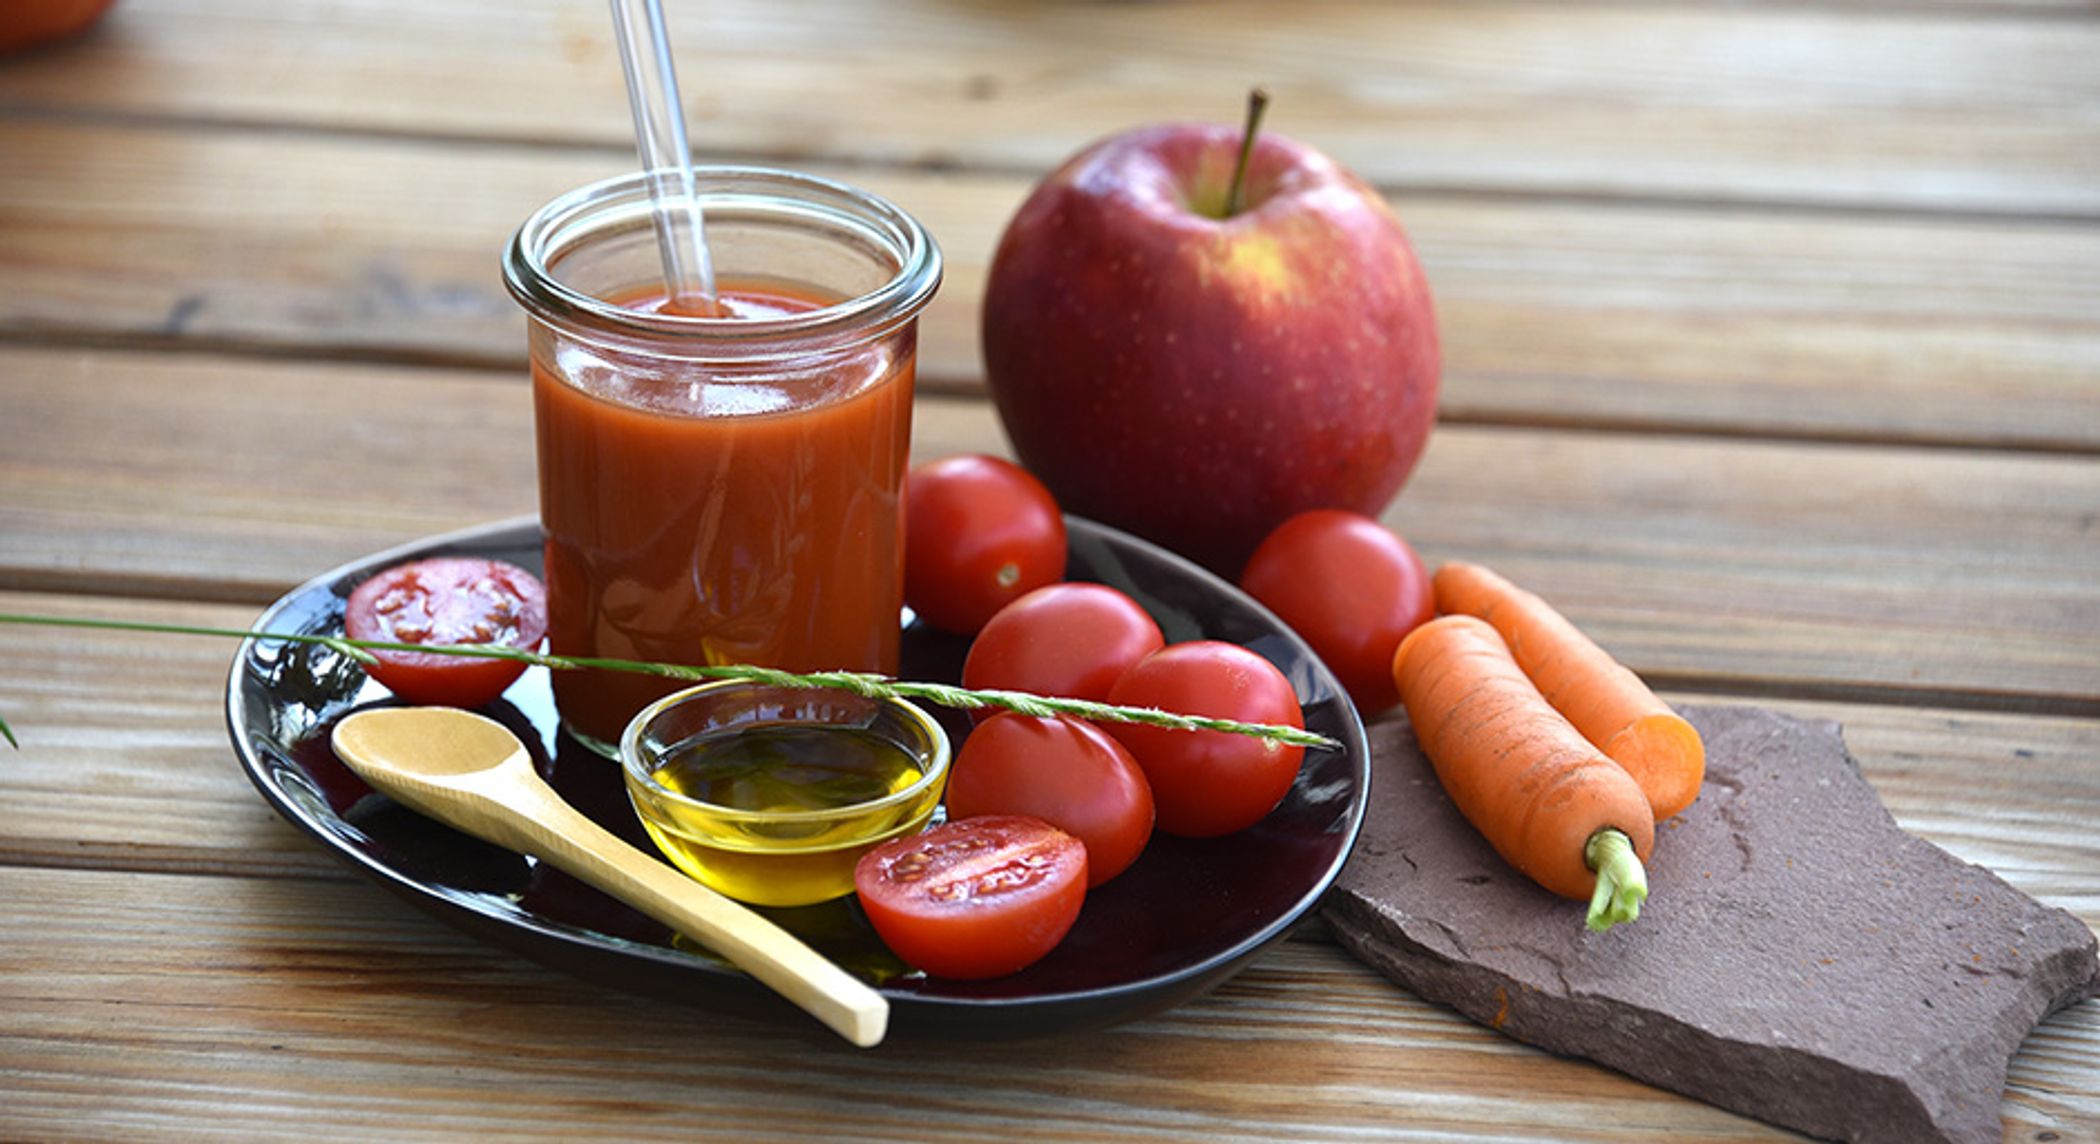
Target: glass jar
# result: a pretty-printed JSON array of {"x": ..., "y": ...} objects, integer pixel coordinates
[{"x": 721, "y": 489}]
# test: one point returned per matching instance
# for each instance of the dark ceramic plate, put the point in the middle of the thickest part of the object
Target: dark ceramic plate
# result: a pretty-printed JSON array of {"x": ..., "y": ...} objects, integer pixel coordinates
[{"x": 1183, "y": 918}]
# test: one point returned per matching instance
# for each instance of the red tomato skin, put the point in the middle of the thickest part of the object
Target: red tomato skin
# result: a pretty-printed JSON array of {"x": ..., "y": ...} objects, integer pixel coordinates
[
  {"x": 28, "y": 23},
  {"x": 446, "y": 600},
  {"x": 979, "y": 532},
  {"x": 970, "y": 937},
  {"x": 1072, "y": 640},
  {"x": 1208, "y": 783},
  {"x": 1352, "y": 588},
  {"x": 1069, "y": 773}
]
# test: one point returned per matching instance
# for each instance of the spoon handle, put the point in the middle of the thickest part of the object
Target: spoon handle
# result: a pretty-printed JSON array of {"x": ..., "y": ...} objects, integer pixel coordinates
[{"x": 555, "y": 832}]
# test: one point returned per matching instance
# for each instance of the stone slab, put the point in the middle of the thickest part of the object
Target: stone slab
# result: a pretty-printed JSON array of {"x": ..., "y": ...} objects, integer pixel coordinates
[{"x": 1801, "y": 959}]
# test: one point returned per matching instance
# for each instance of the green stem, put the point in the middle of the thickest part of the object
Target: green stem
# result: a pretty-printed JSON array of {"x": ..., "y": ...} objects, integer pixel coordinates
[
  {"x": 860, "y": 683},
  {"x": 1622, "y": 883},
  {"x": 1236, "y": 196}
]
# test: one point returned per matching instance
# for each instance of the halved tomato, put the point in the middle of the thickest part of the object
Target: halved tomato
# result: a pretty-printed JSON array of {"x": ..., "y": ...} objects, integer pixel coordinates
[
  {"x": 448, "y": 600},
  {"x": 975, "y": 898}
]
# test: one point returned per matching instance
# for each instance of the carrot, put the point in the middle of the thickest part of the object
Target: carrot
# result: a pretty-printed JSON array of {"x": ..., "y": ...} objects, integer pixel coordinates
[
  {"x": 1548, "y": 801},
  {"x": 1606, "y": 702}
]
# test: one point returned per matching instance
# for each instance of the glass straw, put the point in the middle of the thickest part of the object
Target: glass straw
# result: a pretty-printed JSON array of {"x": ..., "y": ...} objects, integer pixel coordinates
[{"x": 659, "y": 136}]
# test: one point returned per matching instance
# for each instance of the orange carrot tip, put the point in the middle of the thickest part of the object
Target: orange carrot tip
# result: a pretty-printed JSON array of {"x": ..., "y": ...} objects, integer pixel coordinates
[
  {"x": 1622, "y": 882},
  {"x": 1604, "y": 699}
]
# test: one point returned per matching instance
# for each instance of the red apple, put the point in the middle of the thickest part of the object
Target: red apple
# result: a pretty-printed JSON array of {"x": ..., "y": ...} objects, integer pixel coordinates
[{"x": 1198, "y": 377}]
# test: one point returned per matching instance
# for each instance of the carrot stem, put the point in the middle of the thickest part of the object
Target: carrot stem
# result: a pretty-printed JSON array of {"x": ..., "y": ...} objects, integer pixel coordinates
[{"x": 1622, "y": 882}]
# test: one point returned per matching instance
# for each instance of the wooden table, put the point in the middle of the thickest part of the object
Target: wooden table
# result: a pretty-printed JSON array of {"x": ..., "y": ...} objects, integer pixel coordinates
[{"x": 1773, "y": 354}]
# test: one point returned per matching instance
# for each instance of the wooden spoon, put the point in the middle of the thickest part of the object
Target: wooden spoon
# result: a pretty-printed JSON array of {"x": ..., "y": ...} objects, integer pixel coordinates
[{"x": 473, "y": 774}]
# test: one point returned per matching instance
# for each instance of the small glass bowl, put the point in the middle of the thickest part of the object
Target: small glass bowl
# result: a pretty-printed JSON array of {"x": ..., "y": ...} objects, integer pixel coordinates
[{"x": 800, "y": 849}]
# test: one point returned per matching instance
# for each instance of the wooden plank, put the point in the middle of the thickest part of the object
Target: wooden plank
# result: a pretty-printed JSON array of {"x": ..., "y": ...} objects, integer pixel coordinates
[
  {"x": 1803, "y": 103},
  {"x": 1552, "y": 313},
  {"x": 259, "y": 474},
  {"x": 234, "y": 479},
  {"x": 174, "y": 1007},
  {"x": 238, "y": 1007},
  {"x": 124, "y": 760},
  {"x": 1726, "y": 567},
  {"x": 1961, "y": 577},
  {"x": 2062, "y": 8},
  {"x": 125, "y": 763}
]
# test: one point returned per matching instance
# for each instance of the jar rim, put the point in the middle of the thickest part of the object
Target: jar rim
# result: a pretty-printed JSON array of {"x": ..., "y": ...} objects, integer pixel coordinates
[{"x": 739, "y": 191}]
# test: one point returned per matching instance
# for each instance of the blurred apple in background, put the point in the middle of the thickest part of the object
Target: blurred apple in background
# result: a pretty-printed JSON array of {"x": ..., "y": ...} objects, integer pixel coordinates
[
  {"x": 1196, "y": 372},
  {"x": 25, "y": 24}
]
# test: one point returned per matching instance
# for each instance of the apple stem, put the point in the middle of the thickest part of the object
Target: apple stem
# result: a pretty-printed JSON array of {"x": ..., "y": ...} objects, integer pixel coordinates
[{"x": 1257, "y": 106}]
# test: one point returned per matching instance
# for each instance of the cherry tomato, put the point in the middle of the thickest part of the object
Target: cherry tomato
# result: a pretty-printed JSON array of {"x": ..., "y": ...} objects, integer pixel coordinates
[
  {"x": 1071, "y": 774},
  {"x": 28, "y": 23},
  {"x": 1207, "y": 783},
  {"x": 1073, "y": 640},
  {"x": 974, "y": 898},
  {"x": 448, "y": 600},
  {"x": 978, "y": 533},
  {"x": 1351, "y": 588}
]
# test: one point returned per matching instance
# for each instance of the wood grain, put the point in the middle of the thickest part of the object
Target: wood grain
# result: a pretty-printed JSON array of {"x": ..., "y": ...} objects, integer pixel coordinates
[
  {"x": 1950, "y": 111},
  {"x": 124, "y": 761},
  {"x": 231, "y": 479},
  {"x": 1772, "y": 334},
  {"x": 1982, "y": 333},
  {"x": 276, "y": 1009},
  {"x": 1727, "y": 566},
  {"x": 1721, "y": 565},
  {"x": 125, "y": 764}
]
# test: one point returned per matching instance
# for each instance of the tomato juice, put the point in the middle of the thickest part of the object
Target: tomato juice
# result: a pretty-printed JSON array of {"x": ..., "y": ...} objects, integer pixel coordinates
[
  {"x": 723, "y": 486},
  {"x": 705, "y": 517}
]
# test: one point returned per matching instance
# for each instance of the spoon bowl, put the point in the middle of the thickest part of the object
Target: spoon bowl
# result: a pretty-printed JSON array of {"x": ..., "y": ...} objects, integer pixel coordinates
[
  {"x": 471, "y": 773},
  {"x": 429, "y": 745}
]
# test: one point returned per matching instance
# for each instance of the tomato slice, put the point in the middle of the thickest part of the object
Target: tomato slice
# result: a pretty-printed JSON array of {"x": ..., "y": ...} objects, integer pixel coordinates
[
  {"x": 448, "y": 600},
  {"x": 975, "y": 898}
]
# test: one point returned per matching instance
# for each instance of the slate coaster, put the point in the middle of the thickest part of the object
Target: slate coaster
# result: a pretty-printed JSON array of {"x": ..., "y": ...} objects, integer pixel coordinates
[{"x": 1800, "y": 960}]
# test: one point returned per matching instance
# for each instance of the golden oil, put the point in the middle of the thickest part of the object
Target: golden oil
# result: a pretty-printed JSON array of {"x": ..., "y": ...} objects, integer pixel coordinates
[{"x": 778, "y": 813}]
